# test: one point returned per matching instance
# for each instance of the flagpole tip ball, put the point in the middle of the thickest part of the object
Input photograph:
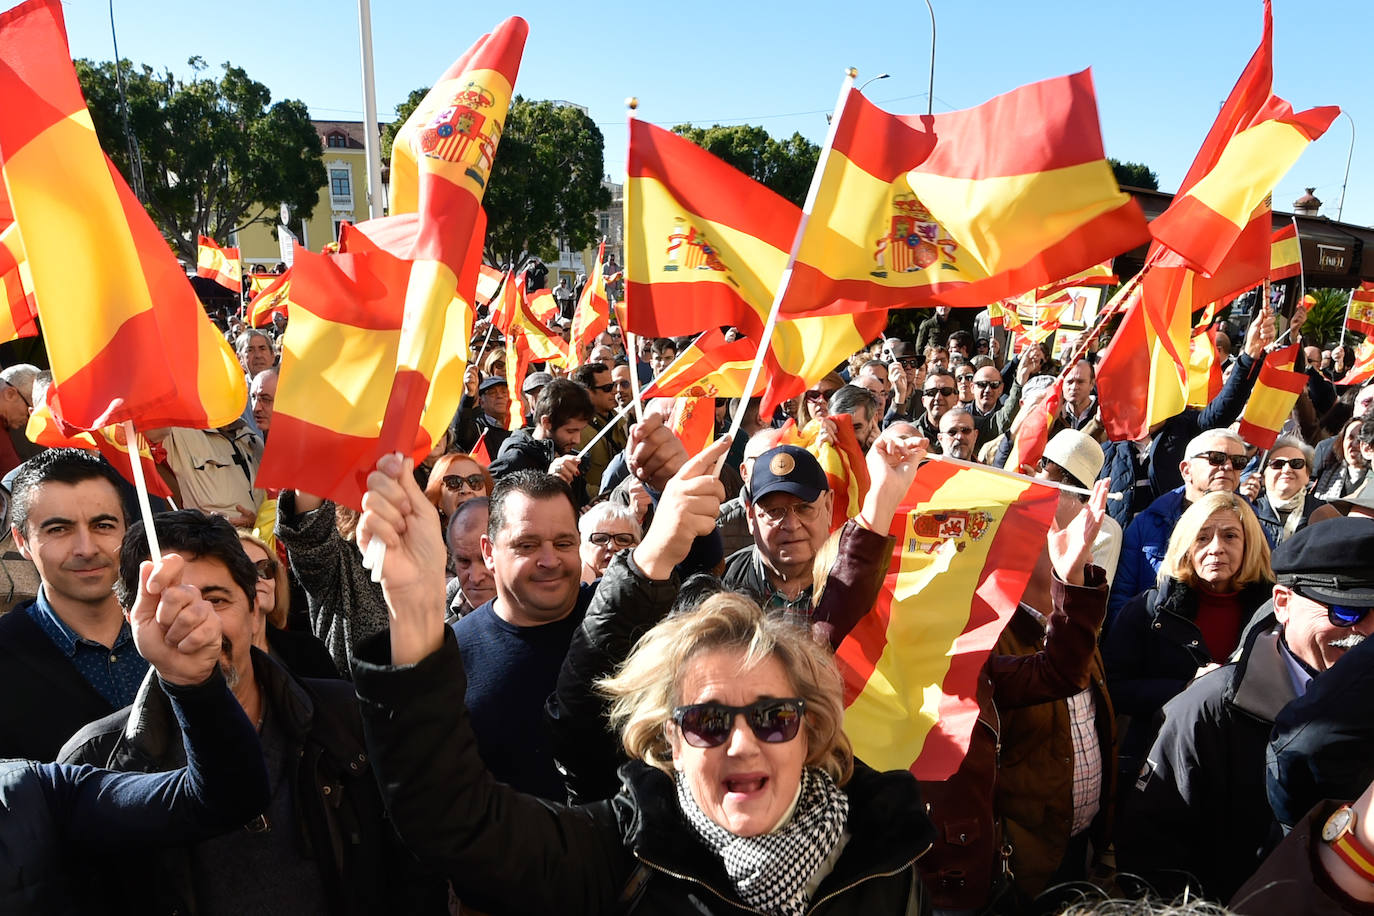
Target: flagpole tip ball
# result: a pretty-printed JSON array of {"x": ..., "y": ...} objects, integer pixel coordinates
[
  {"x": 851, "y": 72},
  {"x": 632, "y": 103}
]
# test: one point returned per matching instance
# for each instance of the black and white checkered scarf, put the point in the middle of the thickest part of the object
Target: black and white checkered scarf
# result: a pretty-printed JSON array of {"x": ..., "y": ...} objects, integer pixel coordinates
[{"x": 770, "y": 872}]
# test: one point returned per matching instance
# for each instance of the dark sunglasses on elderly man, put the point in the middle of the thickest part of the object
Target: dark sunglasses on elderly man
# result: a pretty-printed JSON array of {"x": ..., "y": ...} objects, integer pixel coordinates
[
  {"x": 1217, "y": 459},
  {"x": 456, "y": 482},
  {"x": 773, "y": 721}
]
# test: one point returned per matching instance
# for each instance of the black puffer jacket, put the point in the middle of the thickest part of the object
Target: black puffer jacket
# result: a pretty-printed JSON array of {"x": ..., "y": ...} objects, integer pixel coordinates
[{"x": 509, "y": 853}]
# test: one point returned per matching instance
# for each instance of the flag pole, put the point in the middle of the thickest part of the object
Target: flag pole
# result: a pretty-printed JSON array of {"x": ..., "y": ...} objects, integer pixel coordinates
[
  {"x": 771, "y": 323},
  {"x": 1346, "y": 320},
  {"x": 371, "y": 134},
  {"x": 141, "y": 485},
  {"x": 632, "y": 340},
  {"x": 635, "y": 396}
]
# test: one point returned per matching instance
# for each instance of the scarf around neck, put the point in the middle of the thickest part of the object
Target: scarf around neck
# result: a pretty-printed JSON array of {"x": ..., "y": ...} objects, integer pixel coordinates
[{"x": 770, "y": 872}]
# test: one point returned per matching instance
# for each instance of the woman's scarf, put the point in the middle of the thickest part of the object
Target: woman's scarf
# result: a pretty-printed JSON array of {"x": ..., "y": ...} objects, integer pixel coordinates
[{"x": 770, "y": 872}]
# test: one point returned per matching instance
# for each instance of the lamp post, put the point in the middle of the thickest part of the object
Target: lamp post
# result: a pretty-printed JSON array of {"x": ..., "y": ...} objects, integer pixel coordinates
[
  {"x": 930, "y": 101},
  {"x": 880, "y": 76},
  {"x": 1341, "y": 205}
]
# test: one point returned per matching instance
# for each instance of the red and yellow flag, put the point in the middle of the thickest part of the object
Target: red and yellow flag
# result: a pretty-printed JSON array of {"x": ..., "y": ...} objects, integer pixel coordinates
[
  {"x": 967, "y": 541},
  {"x": 488, "y": 284},
  {"x": 593, "y": 312},
  {"x": 1285, "y": 253},
  {"x": 1271, "y": 402},
  {"x": 18, "y": 313},
  {"x": 441, "y": 164},
  {"x": 219, "y": 264},
  {"x": 43, "y": 429},
  {"x": 693, "y": 420},
  {"x": 274, "y": 299},
  {"x": 842, "y": 460},
  {"x": 1204, "y": 368},
  {"x": 1360, "y": 314},
  {"x": 1363, "y": 370},
  {"x": 542, "y": 305},
  {"x": 1033, "y": 434},
  {"x": 126, "y": 337},
  {"x": 962, "y": 208},
  {"x": 1100, "y": 274},
  {"x": 711, "y": 365}
]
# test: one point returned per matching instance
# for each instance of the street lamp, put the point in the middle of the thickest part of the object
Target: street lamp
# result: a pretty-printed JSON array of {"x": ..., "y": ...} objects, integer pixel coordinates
[
  {"x": 880, "y": 76},
  {"x": 930, "y": 102}
]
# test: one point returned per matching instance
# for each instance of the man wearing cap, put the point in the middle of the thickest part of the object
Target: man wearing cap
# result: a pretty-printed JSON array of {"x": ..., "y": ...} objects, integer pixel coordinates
[
  {"x": 788, "y": 504},
  {"x": 1198, "y": 811},
  {"x": 529, "y": 393},
  {"x": 481, "y": 413}
]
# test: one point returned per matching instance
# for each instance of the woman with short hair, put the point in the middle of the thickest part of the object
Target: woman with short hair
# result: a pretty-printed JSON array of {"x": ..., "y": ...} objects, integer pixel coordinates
[{"x": 1285, "y": 505}]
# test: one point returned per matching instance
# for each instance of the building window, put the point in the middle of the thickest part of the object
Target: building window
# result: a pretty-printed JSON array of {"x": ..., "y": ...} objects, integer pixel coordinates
[
  {"x": 336, "y": 140},
  {"x": 605, "y": 224},
  {"x": 339, "y": 184},
  {"x": 338, "y": 228}
]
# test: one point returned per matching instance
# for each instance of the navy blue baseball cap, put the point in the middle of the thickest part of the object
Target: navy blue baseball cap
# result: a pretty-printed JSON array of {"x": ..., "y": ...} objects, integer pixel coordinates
[
  {"x": 787, "y": 469},
  {"x": 490, "y": 382}
]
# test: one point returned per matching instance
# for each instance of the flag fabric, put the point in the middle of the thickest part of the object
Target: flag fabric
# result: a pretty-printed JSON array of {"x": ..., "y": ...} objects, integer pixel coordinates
[
  {"x": 711, "y": 365},
  {"x": 43, "y": 429},
  {"x": 1285, "y": 253},
  {"x": 488, "y": 284},
  {"x": 479, "y": 452},
  {"x": 1100, "y": 274},
  {"x": 1204, "y": 368},
  {"x": 219, "y": 264},
  {"x": 274, "y": 299},
  {"x": 1031, "y": 437},
  {"x": 339, "y": 356},
  {"x": 542, "y": 305},
  {"x": 1142, "y": 380},
  {"x": 1360, "y": 314},
  {"x": 962, "y": 208},
  {"x": 1273, "y": 398},
  {"x": 1363, "y": 369},
  {"x": 841, "y": 459},
  {"x": 507, "y": 302},
  {"x": 967, "y": 541},
  {"x": 126, "y": 337},
  {"x": 259, "y": 282},
  {"x": 441, "y": 163},
  {"x": 593, "y": 312},
  {"x": 693, "y": 420},
  {"x": 17, "y": 310}
]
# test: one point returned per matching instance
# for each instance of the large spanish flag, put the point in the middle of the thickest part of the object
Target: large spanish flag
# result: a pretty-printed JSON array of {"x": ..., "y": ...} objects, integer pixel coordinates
[
  {"x": 17, "y": 310},
  {"x": 126, "y": 337},
  {"x": 967, "y": 541},
  {"x": 441, "y": 164},
  {"x": 962, "y": 208},
  {"x": 1359, "y": 315},
  {"x": 219, "y": 264},
  {"x": 1285, "y": 253},
  {"x": 1271, "y": 402}
]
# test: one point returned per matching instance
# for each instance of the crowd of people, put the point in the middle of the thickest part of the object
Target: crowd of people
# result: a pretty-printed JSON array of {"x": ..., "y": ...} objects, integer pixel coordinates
[{"x": 593, "y": 672}]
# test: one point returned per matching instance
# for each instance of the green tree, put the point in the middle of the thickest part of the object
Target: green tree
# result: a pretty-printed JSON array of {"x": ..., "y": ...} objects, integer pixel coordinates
[
  {"x": 1134, "y": 174},
  {"x": 217, "y": 154},
  {"x": 403, "y": 111},
  {"x": 784, "y": 166},
  {"x": 1324, "y": 319}
]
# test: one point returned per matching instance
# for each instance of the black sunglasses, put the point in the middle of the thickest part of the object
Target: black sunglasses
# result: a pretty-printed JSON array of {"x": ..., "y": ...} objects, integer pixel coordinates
[
  {"x": 456, "y": 482},
  {"x": 1217, "y": 459},
  {"x": 1278, "y": 464},
  {"x": 909, "y": 362},
  {"x": 943, "y": 392},
  {"x": 1342, "y": 616},
  {"x": 985, "y": 384},
  {"x": 606, "y": 388},
  {"x": 773, "y": 721},
  {"x": 267, "y": 569}
]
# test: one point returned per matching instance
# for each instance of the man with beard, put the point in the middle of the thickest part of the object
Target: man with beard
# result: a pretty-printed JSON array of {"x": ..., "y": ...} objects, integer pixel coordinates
[
  {"x": 67, "y": 657},
  {"x": 1207, "y": 767},
  {"x": 323, "y": 844},
  {"x": 958, "y": 434}
]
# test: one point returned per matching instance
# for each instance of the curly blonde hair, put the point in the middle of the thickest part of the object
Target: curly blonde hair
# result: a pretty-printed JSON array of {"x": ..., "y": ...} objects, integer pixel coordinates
[{"x": 648, "y": 685}]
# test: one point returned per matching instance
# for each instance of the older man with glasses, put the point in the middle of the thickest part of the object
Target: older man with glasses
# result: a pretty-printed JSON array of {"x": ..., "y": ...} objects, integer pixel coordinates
[{"x": 1213, "y": 462}]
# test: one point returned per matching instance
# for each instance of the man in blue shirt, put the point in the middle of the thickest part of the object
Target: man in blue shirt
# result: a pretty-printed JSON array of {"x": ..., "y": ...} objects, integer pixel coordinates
[{"x": 67, "y": 657}]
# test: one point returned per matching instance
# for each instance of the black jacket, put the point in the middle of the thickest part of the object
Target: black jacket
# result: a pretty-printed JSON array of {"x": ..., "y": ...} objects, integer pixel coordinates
[
  {"x": 471, "y": 424},
  {"x": 1197, "y": 814},
  {"x": 341, "y": 825},
  {"x": 510, "y": 853},
  {"x": 1269, "y": 517}
]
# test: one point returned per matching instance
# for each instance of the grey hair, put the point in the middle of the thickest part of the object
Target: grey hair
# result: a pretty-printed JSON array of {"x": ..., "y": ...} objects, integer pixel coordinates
[
  {"x": 21, "y": 376},
  {"x": 606, "y": 512},
  {"x": 1291, "y": 441},
  {"x": 1199, "y": 442}
]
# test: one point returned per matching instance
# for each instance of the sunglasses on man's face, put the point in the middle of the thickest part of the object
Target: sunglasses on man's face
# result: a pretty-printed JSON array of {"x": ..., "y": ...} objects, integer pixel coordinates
[
  {"x": 457, "y": 482},
  {"x": 987, "y": 385},
  {"x": 942, "y": 392},
  {"x": 773, "y": 721},
  {"x": 606, "y": 388},
  {"x": 1217, "y": 459},
  {"x": 1278, "y": 464}
]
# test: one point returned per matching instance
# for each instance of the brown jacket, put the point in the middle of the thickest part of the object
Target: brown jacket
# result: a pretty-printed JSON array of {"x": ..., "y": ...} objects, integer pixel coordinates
[{"x": 1034, "y": 799}]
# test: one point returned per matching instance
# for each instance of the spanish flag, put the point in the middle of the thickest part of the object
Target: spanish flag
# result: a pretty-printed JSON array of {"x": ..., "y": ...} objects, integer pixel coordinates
[
  {"x": 338, "y": 360},
  {"x": 219, "y": 264},
  {"x": 1204, "y": 368},
  {"x": 43, "y": 429},
  {"x": 1363, "y": 370},
  {"x": 962, "y": 208},
  {"x": 126, "y": 337},
  {"x": 841, "y": 459},
  {"x": 1360, "y": 313},
  {"x": 273, "y": 299},
  {"x": 1271, "y": 402},
  {"x": 1285, "y": 254},
  {"x": 542, "y": 305},
  {"x": 711, "y": 365},
  {"x": 1029, "y": 438},
  {"x": 693, "y": 420},
  {"x": 17, "y": 311},
  {"x": 967, "y": 541},
  {"x": 593, "y": 312},
  {"x": 488, "y": 284},
  {"x": 441, "y": 164},
  {"x": 1100, "y": 274}
]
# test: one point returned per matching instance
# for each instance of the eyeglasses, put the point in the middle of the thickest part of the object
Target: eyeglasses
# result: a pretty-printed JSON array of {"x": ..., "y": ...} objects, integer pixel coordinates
[
  {"x": 816, "y": 394},
  {"x": 957, "y": 431},
  {"x": 601, "y": 539},
  {"x": 1278, "y": 464},
  {"x": 1342, "y": 616},
  {"x": 1217, "y": 459},
  {"x": 909, "y": 362},
  {"x": 605, "y": 389},
  {"x": 20, "y": 393},
  {"x": 942, "y": 392},
  {"x": 986, "y": 385},
  {"x": 773, "y": 721},
  {"x": 456, "y": 482},
  {"x": 805, "y": 512},
  {"x": 267, "y": 568}
]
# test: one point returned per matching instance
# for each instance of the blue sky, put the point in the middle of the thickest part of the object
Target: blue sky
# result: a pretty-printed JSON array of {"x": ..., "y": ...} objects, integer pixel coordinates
[{"x": 1161, "y": 69}]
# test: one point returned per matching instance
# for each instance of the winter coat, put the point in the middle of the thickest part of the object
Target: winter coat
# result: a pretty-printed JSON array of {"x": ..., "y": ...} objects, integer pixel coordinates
[
  {"x": 1142, "y": 550},
  {"x": 1269, "y": 517},
  {"x": 509, "y": 853},
  {"x": 1291, "y": 881}
]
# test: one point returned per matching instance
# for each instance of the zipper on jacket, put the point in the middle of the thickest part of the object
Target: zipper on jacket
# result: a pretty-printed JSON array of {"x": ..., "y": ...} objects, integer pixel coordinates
[
  {"x": 682, "y": 877},
  {"x": 886, "y": 874}
]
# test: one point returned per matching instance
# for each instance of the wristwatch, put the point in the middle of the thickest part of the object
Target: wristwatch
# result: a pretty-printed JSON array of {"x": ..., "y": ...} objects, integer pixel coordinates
[{"x": 1339, "y": 833}]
